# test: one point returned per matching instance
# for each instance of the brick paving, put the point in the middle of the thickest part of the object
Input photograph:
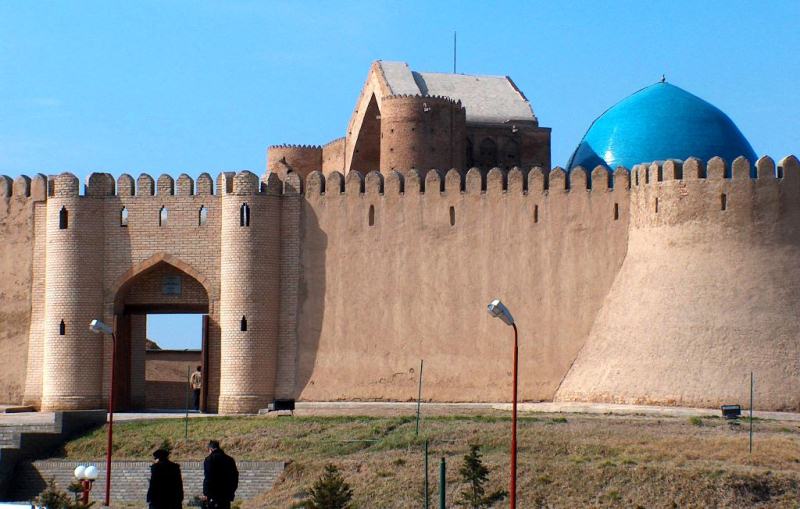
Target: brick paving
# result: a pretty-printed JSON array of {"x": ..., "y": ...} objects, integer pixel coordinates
[{"x": 130, "y": 478}]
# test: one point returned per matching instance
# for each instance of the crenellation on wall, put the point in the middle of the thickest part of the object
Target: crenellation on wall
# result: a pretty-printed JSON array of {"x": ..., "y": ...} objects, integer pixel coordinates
[
  {"x": 225, "y": 182},
  {"x": 205, "y": 184},
  {"x": 537, "y": 180},
  {"x": 100, "y": 185},
  {"x": 765, "y": 167},
  {"x": 126, "y": 186},
  {"x": 293, "y": 184},
  {"x": 315, "y": 183},
  {"x": 434, "y": 182},
  {"x": 185, "y": 185},
  {"x": 373, "y": 183},
  {"x": 577, "y": 179},
  {"x": 453, "y": 181},
  {"x": 271, "y": 184},
  {"x": 6, "y": 186},
  {"x": 557, "y": 180},
  {"x": 495, "y": 181},
  {"x": 354, "y": 183},
  {"x": 394, "y": 183},
  {"x": 414, "y": 183},
  {"x": 165, "y": 185},
  {"x": 245, "y": 182},
  {"x": 515, "y": 181},
  {"x": 66, "y": 185},
  {"x": 145, "y": 185},
  {"x": 22, "y": 186},
  {"x": 334, "y": 183},
  {"x": 600, "y": 179}
]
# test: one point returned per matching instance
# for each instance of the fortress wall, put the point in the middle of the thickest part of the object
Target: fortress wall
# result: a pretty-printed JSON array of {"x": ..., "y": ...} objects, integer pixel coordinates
[
  {"x": 333, "y": 156},
  {"x": 705, "y": 295},
  {"x": 17, "y": 224},
  {"x": 376, "y": 299}
]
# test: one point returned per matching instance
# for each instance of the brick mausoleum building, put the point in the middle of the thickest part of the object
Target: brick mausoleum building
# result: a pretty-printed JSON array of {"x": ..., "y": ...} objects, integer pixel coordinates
[{"x": 659, "y": 267}]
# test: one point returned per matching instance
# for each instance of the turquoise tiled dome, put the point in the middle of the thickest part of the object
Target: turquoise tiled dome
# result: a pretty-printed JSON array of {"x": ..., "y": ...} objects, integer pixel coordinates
[{"x": 660, "y": 122}]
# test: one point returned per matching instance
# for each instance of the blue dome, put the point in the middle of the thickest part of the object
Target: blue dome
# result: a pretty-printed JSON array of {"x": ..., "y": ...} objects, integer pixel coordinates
[{"x": 660, "y": 122}]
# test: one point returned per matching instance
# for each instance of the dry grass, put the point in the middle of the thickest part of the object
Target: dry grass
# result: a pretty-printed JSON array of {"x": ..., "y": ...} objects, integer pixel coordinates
[{"x": 565, "y": 460}]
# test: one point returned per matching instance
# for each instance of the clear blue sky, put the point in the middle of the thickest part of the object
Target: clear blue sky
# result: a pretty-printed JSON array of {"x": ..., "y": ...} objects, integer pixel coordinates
[{"x": 178, "y": 86}]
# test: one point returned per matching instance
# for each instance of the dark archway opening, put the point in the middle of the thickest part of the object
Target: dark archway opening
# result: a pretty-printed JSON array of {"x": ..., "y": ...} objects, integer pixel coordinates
[
  {"x": 367, "y": 150},
  {"x": 147, "y": 378}
]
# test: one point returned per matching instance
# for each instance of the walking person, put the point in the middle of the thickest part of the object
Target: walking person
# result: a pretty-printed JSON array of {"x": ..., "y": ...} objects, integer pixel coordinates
[
  {"x": 166, "y": 483},
  {"x": 221, "y": 478},
  {"x": 196, "y": 382}
]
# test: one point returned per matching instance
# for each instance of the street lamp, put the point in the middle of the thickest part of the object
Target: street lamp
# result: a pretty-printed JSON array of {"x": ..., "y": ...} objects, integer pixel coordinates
[
  {"x": 99, "y": 327},
  {"x": 498, "y": 310},
  {"x": 86, "y": 476}
]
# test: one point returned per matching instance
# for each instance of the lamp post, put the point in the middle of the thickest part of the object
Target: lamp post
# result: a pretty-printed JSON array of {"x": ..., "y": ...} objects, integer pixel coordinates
[
  {"x": 498, "y": 310},
  {"x": 86, "y": 476},
  {"x": 99, "y": 327}
]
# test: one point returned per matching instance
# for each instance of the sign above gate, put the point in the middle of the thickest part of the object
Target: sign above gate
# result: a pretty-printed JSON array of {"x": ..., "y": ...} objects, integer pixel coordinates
[{"x": 171, "y": 285}]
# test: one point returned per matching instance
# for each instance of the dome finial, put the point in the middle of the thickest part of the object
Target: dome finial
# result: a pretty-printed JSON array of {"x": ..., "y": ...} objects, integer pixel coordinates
[{"x": 663, "y": 78}]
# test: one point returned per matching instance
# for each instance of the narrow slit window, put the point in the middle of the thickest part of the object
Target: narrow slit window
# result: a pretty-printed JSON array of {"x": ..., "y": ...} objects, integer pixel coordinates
[
  {"x": 202, "y": 218},
  {"x": 535, "y": 213},
  {"x": 656, "y": 205},
  {"x": 244, "y": 215},
  {"x": 243, "y": 325},
  {"x": 452, "y": 216},
  {"x": 63, "y": 219},
  {"x": 123, "y": 217},
  {"x": 371, "y": 215},
  {"x": 616, "y": 211},
  {"x": 62, "y": 329},
  {"x": 163, "y": 215},
  {"x": 723, "y": 201}
]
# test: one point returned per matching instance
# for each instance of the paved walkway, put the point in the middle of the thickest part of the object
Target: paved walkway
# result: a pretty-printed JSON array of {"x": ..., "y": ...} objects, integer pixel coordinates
[{"x": 406, "y": 408}]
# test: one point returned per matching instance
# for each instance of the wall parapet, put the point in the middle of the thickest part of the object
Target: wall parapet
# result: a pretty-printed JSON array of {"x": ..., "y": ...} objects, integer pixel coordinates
[
  {"x": 103, "y": 185},
  {"x": 673, "y": 192},
  {"x": 473, "y": 181}
]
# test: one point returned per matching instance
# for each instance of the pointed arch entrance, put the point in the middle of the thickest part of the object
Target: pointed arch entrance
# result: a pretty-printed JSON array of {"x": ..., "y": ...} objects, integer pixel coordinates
[{"x": 162, "y": 284}]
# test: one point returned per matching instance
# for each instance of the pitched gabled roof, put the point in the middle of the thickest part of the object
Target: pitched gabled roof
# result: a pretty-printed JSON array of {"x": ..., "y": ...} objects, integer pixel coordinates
[{"x": 489, "y": 99}]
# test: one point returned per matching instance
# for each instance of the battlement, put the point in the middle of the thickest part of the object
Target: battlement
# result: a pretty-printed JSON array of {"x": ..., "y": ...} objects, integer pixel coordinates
[
  {"x": 103, "y": 185},
  {"x": 292, "y": 145},
  {"x": 496, "y": 181},
  {"x": 736, "y": 194},
  {"x": 429, "y": 99}
]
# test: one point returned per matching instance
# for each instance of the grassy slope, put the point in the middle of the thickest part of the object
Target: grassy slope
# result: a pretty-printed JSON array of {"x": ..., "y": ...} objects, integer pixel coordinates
[{"x": 577, "y": 461}]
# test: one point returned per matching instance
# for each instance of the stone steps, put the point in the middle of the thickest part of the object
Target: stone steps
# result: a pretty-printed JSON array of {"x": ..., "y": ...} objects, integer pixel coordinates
[{"x": 26, "y": 441}]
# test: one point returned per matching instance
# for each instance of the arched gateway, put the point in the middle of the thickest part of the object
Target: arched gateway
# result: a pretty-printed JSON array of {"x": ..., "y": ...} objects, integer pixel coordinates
[{"x": 175, "y": 253}]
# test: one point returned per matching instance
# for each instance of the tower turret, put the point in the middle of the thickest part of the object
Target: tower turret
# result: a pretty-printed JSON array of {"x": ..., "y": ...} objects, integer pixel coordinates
[
  {"x": 250, "y": 288},
  {"x": 422, "y": 132},
  {"x": 73, "y": 359}
]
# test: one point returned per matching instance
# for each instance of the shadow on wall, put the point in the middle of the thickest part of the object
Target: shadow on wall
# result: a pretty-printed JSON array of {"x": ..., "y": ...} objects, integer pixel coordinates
[{"x": 310, "y": 305}]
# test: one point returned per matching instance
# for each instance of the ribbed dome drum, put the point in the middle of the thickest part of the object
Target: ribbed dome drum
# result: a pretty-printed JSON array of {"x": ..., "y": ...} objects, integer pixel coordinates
[{"x": 658, "y": 123}]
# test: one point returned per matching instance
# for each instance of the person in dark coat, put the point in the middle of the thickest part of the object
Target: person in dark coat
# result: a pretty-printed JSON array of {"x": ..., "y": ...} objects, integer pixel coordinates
[
  {"x": 221, "y": 478},
  {"x": 166, "y": 483}
]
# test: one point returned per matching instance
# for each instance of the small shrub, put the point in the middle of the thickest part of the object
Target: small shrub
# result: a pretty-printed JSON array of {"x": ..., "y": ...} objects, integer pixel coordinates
[
  {"x": 53, "y": 498},
  {"x": 330, "y": 491},
  {"x": 696, "y": 421},
  {"x": 558, "y": 420},
  {"x": 475, "y": 474}
]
